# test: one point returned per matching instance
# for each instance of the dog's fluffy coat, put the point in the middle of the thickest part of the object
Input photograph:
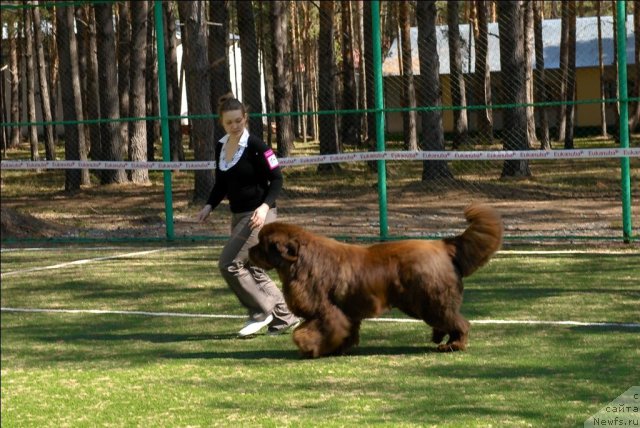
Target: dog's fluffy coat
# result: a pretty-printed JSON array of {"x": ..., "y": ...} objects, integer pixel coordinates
[{"x": 334, "y": 286}]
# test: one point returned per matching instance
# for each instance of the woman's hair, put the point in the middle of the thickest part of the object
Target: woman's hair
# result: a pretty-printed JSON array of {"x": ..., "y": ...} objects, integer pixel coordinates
[{"x": 228, "y": 102}]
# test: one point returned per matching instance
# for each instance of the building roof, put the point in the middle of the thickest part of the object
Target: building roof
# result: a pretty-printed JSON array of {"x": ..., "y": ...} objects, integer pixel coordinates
[{"x": 586, "y": 48}]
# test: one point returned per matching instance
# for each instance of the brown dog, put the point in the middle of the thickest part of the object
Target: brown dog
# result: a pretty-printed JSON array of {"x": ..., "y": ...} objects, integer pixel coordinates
[{"x": 334, "y": 286}]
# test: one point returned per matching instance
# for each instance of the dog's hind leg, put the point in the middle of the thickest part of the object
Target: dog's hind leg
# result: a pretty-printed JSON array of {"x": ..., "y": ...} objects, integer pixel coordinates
[
  {"x": 354, "y": 335},
  {"x": 458, "y": 330}
]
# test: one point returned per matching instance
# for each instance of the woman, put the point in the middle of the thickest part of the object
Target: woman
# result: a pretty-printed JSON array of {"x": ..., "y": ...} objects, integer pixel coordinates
[{"x": 248, "y": 175}]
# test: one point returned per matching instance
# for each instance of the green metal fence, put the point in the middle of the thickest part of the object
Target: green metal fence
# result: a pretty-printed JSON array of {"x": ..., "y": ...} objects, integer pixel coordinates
[{"x": 584, "y": 191}]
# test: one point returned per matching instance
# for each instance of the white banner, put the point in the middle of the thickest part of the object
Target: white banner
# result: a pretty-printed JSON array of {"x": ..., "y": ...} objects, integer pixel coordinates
[{"x": 342, "y": 157}]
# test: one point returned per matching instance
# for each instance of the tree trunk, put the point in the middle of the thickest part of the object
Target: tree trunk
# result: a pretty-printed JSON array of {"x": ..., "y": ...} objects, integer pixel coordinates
[
  {"x": 265, "y": 48},
  {"x": 601, "y": 74},
  {"x": 614, "y": 79},
  {"x": 529, "y": 52},
  {"x": 74, "y": 144},
  {"x": 362, "y": 78},
  {"x": 54, "y": 68},
  {"x": 371, "y": 138},
  {"x": 327, "y": 100},
  {"x": 123, "y": 46},
  {"x": 571, "y": 77},
  {"x": 14, "y": 72},
  {"x": 219, "y": 56},
  {"x": 541, "y": 82},
  {"x": 30, "y": 74},
  {"x": 111, "y": 136},
  {"x": 408, "y": 88},
  {"x": 152, "y": 93},
  {"x": 138, "y": 107},
  {"x": 483, "y": 72},
  {"x": 564, "y": 68},
  {"x": 299, "y": 68},
  {"x": 87, "y": 24},
  {"x": 635, "y": 113},
  {"x": 458, "y": 90},
  {"x": 282, "y": 93},
  {"x": 193, "y": 18},
  {"x": 349, "y": 122},
  {"x": 43, "y": 81},
  {"x": 430, "y": 93},
  {"x": 251, "y": 96},
  {"x": 512, "y": 64},
  {"x": 174, "y": 96}
]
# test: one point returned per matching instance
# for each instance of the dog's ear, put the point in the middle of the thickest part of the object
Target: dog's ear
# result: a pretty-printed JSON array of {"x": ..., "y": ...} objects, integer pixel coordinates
[{"x": 288, "y": 250}]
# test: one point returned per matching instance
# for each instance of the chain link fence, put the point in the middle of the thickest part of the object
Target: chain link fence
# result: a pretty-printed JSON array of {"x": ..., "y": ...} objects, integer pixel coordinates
[{"x": 138, "y": 82}]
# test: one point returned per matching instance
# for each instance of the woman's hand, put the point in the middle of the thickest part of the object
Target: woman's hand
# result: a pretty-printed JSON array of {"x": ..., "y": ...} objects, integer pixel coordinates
[
  {"x": 259, "y": 216},
  {"x": 204, "y": 213}
]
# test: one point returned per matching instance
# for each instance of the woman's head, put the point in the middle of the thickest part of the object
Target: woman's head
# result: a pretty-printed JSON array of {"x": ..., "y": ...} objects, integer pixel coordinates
[{"x": 233, "y": 115}]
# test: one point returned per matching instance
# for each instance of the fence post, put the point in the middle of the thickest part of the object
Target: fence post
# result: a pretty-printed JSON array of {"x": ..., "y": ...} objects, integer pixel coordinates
[
  {"x": 164, "y": 121},
  {"x": 623, "y": 98},
  {"x": 379, "y": 106}
]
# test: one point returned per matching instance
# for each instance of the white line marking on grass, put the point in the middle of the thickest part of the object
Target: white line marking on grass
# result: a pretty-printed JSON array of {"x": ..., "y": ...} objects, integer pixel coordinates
[
  {"x": 113, "y": 312},
  {"x": 395, "y": 320},
  {"x": 78, "y": 262},
  {"x": 567, "y": 252}
]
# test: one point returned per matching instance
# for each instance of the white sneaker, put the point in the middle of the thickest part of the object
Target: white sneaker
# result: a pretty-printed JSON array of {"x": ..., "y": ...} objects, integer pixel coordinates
[{"x": 252, "y": 327}]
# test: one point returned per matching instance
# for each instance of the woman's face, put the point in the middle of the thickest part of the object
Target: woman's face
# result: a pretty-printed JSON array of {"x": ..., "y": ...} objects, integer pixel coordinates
[{"x": 234, "y": 122}]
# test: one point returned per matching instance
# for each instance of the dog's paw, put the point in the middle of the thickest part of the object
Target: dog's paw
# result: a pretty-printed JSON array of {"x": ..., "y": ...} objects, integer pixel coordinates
[{"x": 450, "y": 347}]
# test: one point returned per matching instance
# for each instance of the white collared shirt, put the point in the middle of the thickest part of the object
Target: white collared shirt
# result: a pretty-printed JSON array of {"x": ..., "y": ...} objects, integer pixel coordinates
[{"x": 242, "y": 144}]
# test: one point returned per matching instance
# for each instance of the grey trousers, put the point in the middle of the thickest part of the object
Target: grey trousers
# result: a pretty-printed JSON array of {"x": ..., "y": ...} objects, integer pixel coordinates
[{"x": 251, "y": 284}]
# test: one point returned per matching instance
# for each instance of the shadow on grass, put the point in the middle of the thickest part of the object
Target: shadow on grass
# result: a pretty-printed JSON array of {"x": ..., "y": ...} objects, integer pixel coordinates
[{"x": 294, "y": 355}]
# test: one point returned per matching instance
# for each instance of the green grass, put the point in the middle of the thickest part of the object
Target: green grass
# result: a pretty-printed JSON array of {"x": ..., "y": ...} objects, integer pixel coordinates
[{"x": 61, "y": 369}]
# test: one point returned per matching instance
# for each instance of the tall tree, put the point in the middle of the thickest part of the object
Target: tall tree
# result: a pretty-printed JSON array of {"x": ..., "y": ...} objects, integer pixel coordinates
[
  {"x": 408, "y": 87},
  {"x": 43, "y": 82},
  {"x": 349, "y": 121},
  {"x": 74, "y": 137},
  {"x": 564, "y": 67},
  {"x": 282, "y": 93},
  {"x": 86, "y": 21},
  {"x": 123, "y": 46},
  {"x": 483, "y": 72},
  {"x": 195, "y": 58},
  {"x": 614, "y": 86},
  {"x": 299, "y": 71},
  {"x": 541, "y": 78},
  {"x": 512, "y": 65},
  {"x": 601, "y": 73},
  {"x": 30, "y": 73},
  {"x": 219, "y": 55},
  {"x": 174, "y": 96},
  {"x": 14, "y": 72},
  {"x": 362, "y": 79},
  {"x": 635, "y": 113},
  {"x": 430, "y": 92},
  {"x": 458, "y": 90},
  {"x": 327, "y": 101},
  {"x": 111, "y": 137},
  {"x": 529, "y": 53},
  {"x": 251, "y": 96},
  {"x": 138, "y": 107},
  {"x": 571, "y": 75},
  {"x": 370, "y": 83},
  {"x": 151, "y": 90}
]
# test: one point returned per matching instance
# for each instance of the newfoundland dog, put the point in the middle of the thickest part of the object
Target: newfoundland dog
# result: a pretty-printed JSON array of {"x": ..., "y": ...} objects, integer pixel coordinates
[{"x": 334, "y": 285}]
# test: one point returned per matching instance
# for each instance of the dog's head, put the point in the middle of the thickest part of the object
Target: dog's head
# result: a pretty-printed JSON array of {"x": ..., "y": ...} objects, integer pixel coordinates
[{"x": 278, "y": 246}]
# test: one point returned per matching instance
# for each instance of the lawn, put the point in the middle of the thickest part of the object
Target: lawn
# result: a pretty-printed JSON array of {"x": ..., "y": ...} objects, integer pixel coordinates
[{"x": 136, "y": 369}]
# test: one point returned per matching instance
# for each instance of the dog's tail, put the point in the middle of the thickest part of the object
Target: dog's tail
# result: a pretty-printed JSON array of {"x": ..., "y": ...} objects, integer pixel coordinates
[{"x": 473, "y": 248}]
